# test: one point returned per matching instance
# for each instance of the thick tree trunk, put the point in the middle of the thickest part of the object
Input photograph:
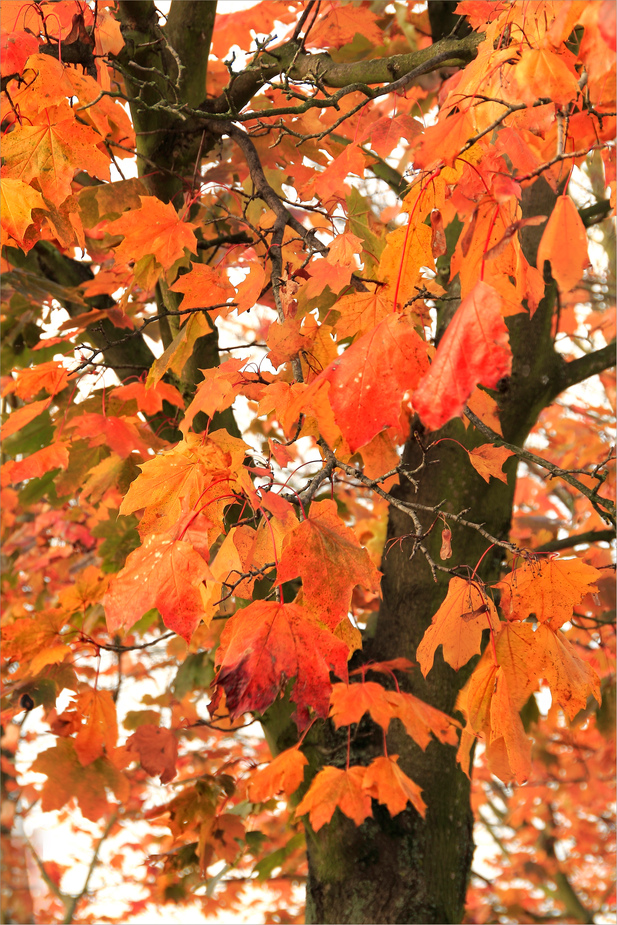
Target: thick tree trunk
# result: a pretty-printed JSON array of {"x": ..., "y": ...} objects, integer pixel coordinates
[{"x": 406, "y": 868}]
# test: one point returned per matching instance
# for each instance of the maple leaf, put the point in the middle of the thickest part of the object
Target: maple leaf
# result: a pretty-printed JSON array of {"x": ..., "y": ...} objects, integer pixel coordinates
[
  {"x": 488, "y": 460},
  {"x": 101, "y": 726},
  {"x": 385, "y": 133},
  {"x": 181, "y": 475},
  {"x": 443, "y": 142},
  {"x": 48, "y": 458},
  {"x": 473, "y": 351},
  {"x": 334, "y": 788},
  {"x": 458, "y": 626},
  {"x": 406, "y": 254},
  {"x": 322, "y": 273},
  {"x": 89, "y": 587},
  {"x": 154, "y": 229},
  {"x": 327, "y": 556},
  {"x": 265, "y": 645},
  {"x": 360, "y": 312},
  {"x": 53, "y": 152},
  {"x": 571, "y": 679},
  {"x": 341, "y": 24},
  {"x": 15, "y": 49},
  {"x": 369, "y": 381},
  {"x": 549, "y": 589},
  {"x": 333, "y": 180},
  {"x": 150, "y": 401},
  {"x": 284, "y": 773},
  {"x": 251, "y": 287},
  {"x": 18, "y": 199},
  {"x": 162, "y": 573},
  {"x": 564, "y": 244},
  {"x": 542, "y": 73},
  {"x": 216, "y": 392},
  {"x": 486, "y": 702},
  {"x": 50, "y": 377},
  {"x": 343, "y": 248},
  {"x": 349, "y": 703},
  {"x": 202, "y": 287},
  {"x": 157, "y": 750},
  {"x": 119, "y": 433},
  {"x": 421, "y": 720},
  {"x": 22, "y": 416},
  {"x": 67, "y": 778},
  {"x": 387, "y": 782}
]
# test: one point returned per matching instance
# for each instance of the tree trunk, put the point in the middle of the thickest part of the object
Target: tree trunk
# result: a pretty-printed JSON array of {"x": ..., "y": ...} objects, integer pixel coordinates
[{"x": 406, "y": 868}]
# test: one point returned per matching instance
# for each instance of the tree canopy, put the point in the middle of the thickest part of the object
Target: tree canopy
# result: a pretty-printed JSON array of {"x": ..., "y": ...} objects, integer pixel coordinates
[{"x": 309, "y": 322}]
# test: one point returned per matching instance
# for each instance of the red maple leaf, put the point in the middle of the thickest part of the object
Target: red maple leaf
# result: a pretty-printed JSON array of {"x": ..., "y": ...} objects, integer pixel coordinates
[{"x": 475, "y": 350}]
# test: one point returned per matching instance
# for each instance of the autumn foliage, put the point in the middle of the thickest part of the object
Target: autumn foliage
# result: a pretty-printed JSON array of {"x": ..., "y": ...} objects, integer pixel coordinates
[{"x": 252, "y": 317}]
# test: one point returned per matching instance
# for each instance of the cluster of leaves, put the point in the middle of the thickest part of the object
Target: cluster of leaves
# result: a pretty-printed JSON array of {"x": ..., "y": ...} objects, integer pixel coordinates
[{"x": 146, "y": 537}]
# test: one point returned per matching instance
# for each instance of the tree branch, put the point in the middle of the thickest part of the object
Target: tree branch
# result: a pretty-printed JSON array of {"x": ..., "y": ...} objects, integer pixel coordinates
[
  {"x": 604, "y": 506},
  {"x": 320, "y": 69},
  {"x": 589, "y": 365},
  {"x": 189, "y": 32},
  {"x": 71, "y": 906},
  {"x": 578, "y": 539}
]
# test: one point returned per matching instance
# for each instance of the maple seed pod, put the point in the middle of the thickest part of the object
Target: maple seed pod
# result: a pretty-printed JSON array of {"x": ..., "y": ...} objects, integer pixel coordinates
[{"x": 446, "y": 543}]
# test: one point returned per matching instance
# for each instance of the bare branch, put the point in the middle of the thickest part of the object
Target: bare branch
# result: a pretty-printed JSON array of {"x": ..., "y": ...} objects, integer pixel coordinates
[{"x": 604, "y": 506}]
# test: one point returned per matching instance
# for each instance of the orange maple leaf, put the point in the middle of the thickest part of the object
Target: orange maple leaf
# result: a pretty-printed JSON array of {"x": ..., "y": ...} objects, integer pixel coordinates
[
  {"x": 154, "y": 230},
  {"x": 203, "y": 286},
  {"x": 216, "y": 391},
  {"x": 101, "y": 727},
  {"x": 180, "y": 476},
  {"x": 22, "y": 416},
  {"x": 284, "y": 773},
  {"x": 488, "y": 460},
  {"x": 349, "y": 703},
  {"x": 18, "y": 199},
  {"x": 571, "y": 679},
  {"x": 543, "y": 73},
  {"x": 67, "y": 778},
  {"x": 53, "y": 152},
  {"x": 150, "y": 401},
  {"x": 406, "y": 254},
  {"x": 163, "y": 573},
  {"x": 458, "y": 626},
  {"x": 360, "y": 312},
  {"x": 564, "y": 244},
  {"x": 54, "y": 456},
  {"x": 334, "y": 179},
  {"x": 387, "y": 782},
  {"x": 332, "y": 788},
  {"x": 491, "y": 706},
  {"x": 16, "y": 48},
  {"x": 549, "y": 589},
  {"x": 341, "y": 24},
  {"x": 50, "y": 377}
]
